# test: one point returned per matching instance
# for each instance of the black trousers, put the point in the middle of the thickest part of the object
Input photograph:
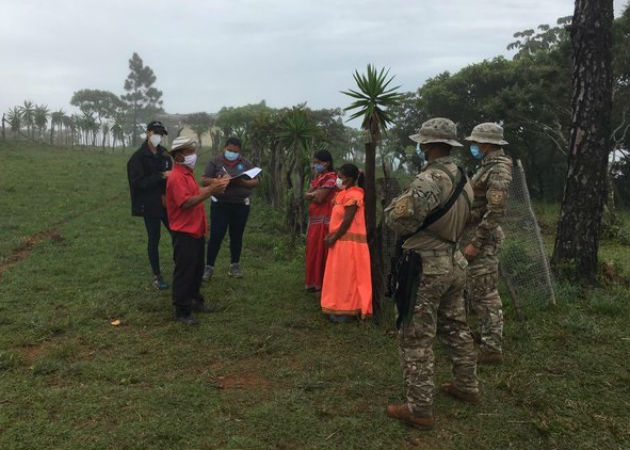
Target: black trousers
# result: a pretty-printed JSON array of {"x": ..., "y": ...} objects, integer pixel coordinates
[
  {"x": 224, "y": 217},
  {"x": 153, "y": 226},
  {"x": 188, "y": 255}
]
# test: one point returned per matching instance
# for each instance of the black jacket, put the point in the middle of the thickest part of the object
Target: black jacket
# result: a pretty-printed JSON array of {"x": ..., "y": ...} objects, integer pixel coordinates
[{"x": 146, "y": 183}]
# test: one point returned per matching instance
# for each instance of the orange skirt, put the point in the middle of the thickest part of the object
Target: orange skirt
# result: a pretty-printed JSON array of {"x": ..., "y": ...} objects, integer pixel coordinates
[{"x": 347, "y": 287}]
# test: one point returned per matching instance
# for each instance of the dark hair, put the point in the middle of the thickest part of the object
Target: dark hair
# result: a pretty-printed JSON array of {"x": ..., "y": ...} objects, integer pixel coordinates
[
  {"x": 324, "y": 156},
  {"x": 352, "y": 171},
  {"x": 234, "y": 141}
]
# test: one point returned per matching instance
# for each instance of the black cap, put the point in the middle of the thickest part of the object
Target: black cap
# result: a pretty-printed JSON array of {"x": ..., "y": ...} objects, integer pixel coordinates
[{"x": 158, "y": 127}]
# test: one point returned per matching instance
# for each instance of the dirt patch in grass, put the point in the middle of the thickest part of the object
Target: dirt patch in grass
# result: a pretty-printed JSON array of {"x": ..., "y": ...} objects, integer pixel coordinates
[
  {"x": 257, "y": 382},
  {"x": 32, "y": 353},
  {"x": 26, "y": 247}
]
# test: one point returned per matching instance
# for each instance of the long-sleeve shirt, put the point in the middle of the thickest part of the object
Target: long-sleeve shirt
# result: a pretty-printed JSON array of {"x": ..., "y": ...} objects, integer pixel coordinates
[
  {"x": 490, "y": 185},
  {"x": 429, "y": 190}
]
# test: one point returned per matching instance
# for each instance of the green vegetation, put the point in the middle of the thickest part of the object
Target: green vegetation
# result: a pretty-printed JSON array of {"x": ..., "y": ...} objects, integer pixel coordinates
[{"x": 267, "y": 371}]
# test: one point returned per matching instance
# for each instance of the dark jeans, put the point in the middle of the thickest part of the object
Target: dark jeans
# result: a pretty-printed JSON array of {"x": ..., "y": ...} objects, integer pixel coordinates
[
  {"x": 224, "y": 216},
  {"x": 153, "y": 225},
  {"x": 188, "y": 258}
]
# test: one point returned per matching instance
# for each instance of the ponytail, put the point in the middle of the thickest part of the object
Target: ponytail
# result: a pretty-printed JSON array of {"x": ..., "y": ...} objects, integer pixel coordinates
[
  {"x": 352, "y": 171},
  {"x": 361, "y": 179}
]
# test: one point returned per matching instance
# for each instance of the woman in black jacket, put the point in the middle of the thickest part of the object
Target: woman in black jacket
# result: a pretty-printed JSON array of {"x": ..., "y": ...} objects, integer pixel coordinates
[{"x": 147, "y": 170}]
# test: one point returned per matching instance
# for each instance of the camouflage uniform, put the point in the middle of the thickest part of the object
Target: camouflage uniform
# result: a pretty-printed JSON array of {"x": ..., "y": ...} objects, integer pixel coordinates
[
  {"x": 439, "y": 305},
  {"x": 490, "y": 185}
]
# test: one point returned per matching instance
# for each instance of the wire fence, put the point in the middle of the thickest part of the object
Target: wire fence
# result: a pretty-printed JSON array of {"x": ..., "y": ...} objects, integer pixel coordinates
[{"x": 523, "y": 260}]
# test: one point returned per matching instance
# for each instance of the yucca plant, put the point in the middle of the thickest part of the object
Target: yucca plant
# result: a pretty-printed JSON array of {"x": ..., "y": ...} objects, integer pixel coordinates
[
  {"x": 296, "y": 132},
  {"x": 372, "y": 100}
]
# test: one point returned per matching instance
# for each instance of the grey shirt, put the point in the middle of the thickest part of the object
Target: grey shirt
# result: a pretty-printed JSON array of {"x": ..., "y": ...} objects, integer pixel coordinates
[{"x": 233, "y": 193}]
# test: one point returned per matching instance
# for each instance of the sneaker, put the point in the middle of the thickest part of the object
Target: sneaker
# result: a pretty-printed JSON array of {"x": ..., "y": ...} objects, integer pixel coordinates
[
  {"x": 187, "y": 320},
  {"x": 159, "y": 283},
  {"x": 200, "y": 306},
  {"x": 207, "y": 273},
  {"x": 184, "y": 316},
  {"x": 235, "y": 271}
]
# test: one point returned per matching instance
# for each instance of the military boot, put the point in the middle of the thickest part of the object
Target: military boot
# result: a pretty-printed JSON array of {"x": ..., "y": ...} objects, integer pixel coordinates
[
  {"x": 489, "y": 358},
  {"x": 402, "y": 412},
  {"x": 453, "y": 391}
]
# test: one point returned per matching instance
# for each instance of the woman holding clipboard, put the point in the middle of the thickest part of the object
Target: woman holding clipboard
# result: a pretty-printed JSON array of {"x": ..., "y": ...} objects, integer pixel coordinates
[{"x": 230, "y": 210}]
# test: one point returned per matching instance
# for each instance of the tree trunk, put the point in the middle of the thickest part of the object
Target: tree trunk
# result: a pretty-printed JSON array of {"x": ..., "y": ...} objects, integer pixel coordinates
[
  {"x": 577, "y": 239},
  {"x": 277, "y": 177},
  {"x": 4, "y": 135},
  {"x": 370, "y": 222},
  {"x": 272, "y": 174}
]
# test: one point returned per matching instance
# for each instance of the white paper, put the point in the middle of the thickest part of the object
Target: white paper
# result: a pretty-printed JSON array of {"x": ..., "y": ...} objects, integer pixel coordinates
[{"x": 251, "y": 173}]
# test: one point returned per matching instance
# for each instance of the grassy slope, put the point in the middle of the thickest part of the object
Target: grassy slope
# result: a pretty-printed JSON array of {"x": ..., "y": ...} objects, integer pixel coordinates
[{"x": 267, "y": 371}]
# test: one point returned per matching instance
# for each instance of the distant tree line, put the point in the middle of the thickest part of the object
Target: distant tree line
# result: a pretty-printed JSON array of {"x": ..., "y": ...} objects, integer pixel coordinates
[
  {"x": 105, "y": 119},
  {"x": 530, "y": 95}
]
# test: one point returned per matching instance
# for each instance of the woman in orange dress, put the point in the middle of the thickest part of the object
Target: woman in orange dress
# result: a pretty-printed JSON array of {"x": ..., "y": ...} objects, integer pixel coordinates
[
  {"x": 321, "y": 193},
  {"x": 347, "y": 289}
]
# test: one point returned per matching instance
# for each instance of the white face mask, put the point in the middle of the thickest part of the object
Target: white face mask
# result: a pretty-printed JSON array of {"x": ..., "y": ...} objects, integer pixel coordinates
[
  {"x": 190, "y": 161},
  {"x": 155, "y": 139},
  {"x": 339, "y": 183}
]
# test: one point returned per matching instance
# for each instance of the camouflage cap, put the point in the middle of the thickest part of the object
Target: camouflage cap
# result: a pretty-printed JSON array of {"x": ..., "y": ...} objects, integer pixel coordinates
[
  {"x": 437, "y": 129},
  {"x": 487, "y": 133}
]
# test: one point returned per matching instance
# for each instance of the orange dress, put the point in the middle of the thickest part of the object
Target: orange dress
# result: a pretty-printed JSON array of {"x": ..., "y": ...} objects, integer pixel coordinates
[{"x": 347, "y": 287}]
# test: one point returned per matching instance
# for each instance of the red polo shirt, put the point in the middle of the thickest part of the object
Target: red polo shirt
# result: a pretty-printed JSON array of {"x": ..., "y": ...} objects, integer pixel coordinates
[{"x": 180, "y": 186}]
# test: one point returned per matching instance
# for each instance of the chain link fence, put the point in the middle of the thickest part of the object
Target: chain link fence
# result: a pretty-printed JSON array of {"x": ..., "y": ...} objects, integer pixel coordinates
[
  {"x": 523, "y": 261},
  {"x": 523, "y": 265}
]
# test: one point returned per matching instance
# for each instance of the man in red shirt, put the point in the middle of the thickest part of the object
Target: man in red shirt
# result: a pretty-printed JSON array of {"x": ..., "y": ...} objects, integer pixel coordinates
[{"x": 187, "y": 218}]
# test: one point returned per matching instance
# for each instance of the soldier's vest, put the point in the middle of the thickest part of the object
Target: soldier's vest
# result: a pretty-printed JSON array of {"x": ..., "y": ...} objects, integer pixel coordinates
[
  {"x": 441, "y": 237},
  {"x": 499, "y": 163}
]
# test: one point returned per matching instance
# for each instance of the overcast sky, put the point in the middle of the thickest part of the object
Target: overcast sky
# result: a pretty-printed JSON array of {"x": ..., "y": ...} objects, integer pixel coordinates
[{"x": 212, "y": 53}]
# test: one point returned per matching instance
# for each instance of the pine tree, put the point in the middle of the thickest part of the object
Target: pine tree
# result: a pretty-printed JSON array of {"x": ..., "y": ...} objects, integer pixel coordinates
[{"x": 142, "y": 100}]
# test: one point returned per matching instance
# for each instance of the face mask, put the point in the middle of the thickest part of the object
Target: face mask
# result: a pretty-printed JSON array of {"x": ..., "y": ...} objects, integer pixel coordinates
[
  {"x": 155, "y": 139},
  {"x": 318, "y": 167},
  {"x": 190, "y": 161},
  {"x": 420, "y": 154},
  {"x": 231, "y": 156},
  {"x": 339, "y": 183},
  {"x": 474, "y": 150}
]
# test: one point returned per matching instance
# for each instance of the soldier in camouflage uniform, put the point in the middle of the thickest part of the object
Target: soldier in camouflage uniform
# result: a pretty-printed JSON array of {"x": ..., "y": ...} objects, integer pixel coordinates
[
  {"x": 439, "y": 305},
  {"x": 483, "y": 236}
]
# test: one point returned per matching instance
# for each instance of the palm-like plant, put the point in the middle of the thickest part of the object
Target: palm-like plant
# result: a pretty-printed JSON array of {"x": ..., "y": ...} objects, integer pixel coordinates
[
  {"x": 372, "y": 100},
  {"x": 28, "y": 116},
  {"x": 56, "y": 120},
  {"x": 70, "y": 125},
  {"x": 14, "y": 118},
  {"x": 296, "y": 132},
  {"x": 40, "y": 118}
]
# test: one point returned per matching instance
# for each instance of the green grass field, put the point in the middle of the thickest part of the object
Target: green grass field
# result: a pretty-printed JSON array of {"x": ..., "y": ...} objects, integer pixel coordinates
[{"x": 266, "y": 371}]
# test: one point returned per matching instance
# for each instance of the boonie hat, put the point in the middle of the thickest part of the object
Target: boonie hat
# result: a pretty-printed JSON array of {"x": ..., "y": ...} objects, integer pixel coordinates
[
  {"x": 438, "y": 129},
  {"x": 487, "y": 133}
]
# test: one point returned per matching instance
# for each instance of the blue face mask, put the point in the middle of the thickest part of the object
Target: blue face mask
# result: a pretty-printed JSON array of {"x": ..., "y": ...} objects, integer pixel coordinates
[
  {"x": 231, "y": 156},
  {"x": 420, "y": 154},
  {"x": 474, "y": 150},
  {"x": 318, "y": 167}
]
